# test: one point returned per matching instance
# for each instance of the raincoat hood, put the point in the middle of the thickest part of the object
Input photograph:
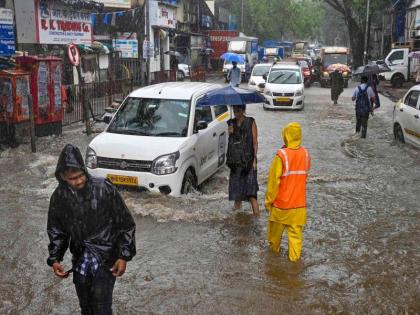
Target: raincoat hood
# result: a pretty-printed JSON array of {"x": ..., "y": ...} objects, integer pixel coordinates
[
  {"x": 70, "y": 156},
  {"x": 292, "y": 135}
]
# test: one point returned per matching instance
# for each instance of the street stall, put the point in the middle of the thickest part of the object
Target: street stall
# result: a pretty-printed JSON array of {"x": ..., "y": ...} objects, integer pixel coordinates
[{"x": 45, "y": 87}]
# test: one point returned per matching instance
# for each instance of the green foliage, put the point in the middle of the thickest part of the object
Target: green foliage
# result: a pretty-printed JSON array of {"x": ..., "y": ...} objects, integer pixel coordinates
[{"x": 269, "y": 19}]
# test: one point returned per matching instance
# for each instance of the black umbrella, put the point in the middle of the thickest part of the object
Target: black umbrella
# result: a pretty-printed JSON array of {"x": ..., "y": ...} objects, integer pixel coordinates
[
  {"x": 173, "y": 53},
  {"x": 371, "y": 68}
]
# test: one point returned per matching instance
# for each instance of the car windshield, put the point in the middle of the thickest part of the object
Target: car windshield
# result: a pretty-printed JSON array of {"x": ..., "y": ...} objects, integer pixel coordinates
[
  {"x": 260, "y": 70},
  {"x": 331, "y": 59},
  {"x": 152, "y": 117},
  {"x": 284, "y": 76}
]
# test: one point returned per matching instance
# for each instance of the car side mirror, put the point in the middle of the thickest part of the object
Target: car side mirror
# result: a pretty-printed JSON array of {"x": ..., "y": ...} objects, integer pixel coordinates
[
  {"x": 265, "y": 76},
  {"x": 200, "y": 126},
  {"x": 261, "y": 85},
  {"x": 107, "y": 119}
]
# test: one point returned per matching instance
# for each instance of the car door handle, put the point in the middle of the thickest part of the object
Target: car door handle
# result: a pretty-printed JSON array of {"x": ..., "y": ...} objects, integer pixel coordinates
[
  {"x": 416, "y": 116},
  {"x": 214, "y": 135}
]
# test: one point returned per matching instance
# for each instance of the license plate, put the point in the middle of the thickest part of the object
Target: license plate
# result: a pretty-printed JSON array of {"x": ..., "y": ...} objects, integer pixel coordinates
[
  {"x": 282, "y": 99},
  {"x": 123, "y": 180}
]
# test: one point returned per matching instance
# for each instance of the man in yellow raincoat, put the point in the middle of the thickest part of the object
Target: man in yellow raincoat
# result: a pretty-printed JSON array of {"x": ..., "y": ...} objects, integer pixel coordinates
[{"x": 285, "y": 199}]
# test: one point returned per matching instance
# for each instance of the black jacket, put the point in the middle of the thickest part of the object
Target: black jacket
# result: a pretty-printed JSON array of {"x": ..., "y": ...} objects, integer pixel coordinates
[{"x": 95, "y": 217}]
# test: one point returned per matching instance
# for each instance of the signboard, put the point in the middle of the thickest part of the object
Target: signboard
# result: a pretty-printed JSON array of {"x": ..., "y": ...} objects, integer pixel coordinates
[
  {"x": 59, "y": 26},
  {"x": 73, "y": 54},
  {"x": 116, "y": 3},
  {"x": 128, "y": 47},
  {"x": 7, "y": 33},
  {"x": 161, "y": 15},
  {"x": 148, "y": 49}
]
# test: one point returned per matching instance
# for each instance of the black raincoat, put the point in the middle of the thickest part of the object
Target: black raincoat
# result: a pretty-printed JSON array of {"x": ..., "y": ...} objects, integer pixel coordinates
[{"x": 94, "y": 218}]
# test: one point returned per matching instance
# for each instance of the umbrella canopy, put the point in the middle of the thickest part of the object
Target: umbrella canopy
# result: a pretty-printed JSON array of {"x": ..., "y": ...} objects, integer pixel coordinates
[
  {"x": 173, "y": 53},
  {"x": 414, "y": 54},
  {"x": 371, "y": 69},
  {"x": 230, "y": 96},
  {"x": 232, "y": 57}
]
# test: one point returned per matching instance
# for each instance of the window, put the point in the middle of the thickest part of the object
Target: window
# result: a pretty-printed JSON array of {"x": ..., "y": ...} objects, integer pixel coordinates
[
  {"x": 219, "y": 110},
  {"x": 411, "y": 99},
  {"x": 152, "y": 117},
  {"x": 398, "y": 55},
  {"x": 203, "y": 113}
]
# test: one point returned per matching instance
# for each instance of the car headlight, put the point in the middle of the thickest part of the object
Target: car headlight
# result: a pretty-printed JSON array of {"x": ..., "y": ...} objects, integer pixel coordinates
[
  {"x": 267, "y": 92},
  {"x": 91, "y": 158},
  {"x": 165, "y": 164},
  {"x": 345, "y": 73},
  {"x": 251, "y": 82},
  {"x": 299, "y": 93},
  {"x": 325, "y": 74}
]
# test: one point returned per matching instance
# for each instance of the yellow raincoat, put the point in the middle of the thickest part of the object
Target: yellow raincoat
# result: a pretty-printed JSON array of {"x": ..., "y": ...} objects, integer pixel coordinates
[{"x": 292, "y": 220}]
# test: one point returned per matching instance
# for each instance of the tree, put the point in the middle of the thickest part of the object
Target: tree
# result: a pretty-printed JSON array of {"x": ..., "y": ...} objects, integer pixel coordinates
[
  {"x": 288, "y": 19},
  {"x": 354, "y": 13}
]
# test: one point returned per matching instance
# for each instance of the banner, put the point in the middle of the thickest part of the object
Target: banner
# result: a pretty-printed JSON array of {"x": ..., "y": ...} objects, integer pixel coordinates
[
  {"x": 7, "y": 33},
  {"x": 59, "y": 26},
  {"x": 127, "y": 47},
  {"x": 116, "y": 3}
]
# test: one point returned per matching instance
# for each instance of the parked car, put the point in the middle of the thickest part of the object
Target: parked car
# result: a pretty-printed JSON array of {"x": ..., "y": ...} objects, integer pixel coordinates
[
  {"x": 161, "y": 141},
  {"x": 257, "y": 76},
  {"x": 406, "y": 117},
  {"x": 183, "y": 71},
  {"x": 307, "y": 73},
  {"x": 284, "y": 88}
]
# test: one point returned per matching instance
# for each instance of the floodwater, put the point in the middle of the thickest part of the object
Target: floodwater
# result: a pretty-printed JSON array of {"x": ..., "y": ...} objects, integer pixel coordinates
[{"x": 361, "y": 248}]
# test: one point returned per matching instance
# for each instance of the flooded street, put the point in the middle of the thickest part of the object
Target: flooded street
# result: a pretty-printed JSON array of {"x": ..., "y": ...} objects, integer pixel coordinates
[{"x": 361, "y": 249}]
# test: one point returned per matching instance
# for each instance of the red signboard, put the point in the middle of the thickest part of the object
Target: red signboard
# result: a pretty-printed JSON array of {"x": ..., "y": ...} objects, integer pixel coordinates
[
  {"x": 73, "y": 54},
  {"x": 219, "y": 41}
]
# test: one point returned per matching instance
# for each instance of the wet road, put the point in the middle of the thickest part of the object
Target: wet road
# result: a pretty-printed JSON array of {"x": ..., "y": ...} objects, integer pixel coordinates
[{"x": 361, "y": 247}]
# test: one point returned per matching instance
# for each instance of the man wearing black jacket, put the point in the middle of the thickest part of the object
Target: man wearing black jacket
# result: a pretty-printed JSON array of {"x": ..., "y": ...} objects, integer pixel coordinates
[{"x": 89, "y": 215}]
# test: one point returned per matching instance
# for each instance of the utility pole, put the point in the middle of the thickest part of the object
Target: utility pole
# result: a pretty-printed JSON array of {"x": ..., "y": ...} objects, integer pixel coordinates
[
  {"x": 147, "y": 25},
  {"x": 242, "y": 16},
  {"x": 365, "y": 56}
]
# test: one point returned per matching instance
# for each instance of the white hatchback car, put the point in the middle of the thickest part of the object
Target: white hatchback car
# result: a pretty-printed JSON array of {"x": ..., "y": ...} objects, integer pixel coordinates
[
  {"x": 284, "y": 88},
  {"x": 160, "y": 140},
  {"x": 406, "y": 117},
  {"x": 257, "y": 74}
]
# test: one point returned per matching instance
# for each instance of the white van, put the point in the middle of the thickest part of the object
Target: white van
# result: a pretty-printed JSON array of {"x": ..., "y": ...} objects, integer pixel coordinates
[{"x": 160, "y": 140}]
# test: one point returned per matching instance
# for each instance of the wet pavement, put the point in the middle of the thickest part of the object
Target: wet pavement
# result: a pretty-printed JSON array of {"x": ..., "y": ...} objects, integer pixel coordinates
[{"x": 361, "y": 248}]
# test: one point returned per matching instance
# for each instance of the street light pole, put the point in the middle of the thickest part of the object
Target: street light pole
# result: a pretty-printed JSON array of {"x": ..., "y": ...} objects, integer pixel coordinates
[
  {"x": 242, "y": 16},
  {"x": 366, "y": 34}
]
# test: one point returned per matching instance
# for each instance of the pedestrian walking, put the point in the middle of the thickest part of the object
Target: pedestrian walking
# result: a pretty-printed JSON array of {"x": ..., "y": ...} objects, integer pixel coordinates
[
  {"x": 242, "y": 159},
  {"x": 234, "y": 75},
  {"x": 89, "y": 215},
  {"x": 337, "y": 85},
  {"x": 373, "y": 82},
  {"x": 285, "y": 199},
  {"x": 364, "y": 97}
]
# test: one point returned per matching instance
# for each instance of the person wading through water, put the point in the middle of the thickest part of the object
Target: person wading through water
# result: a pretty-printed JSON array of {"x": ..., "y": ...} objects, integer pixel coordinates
[
  {"x": 242, "y": 159},
  {"x": 89, "y": 215},
  {"x": 337, "y": 85},
  {"x": 285, "y": 199}
]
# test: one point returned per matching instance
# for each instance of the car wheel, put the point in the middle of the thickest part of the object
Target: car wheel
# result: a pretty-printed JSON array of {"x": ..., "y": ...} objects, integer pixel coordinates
[
  {"x": 397, "y": 80},
  {"x": 189, "y": 183},
  {"x": 398, "y": 133}
]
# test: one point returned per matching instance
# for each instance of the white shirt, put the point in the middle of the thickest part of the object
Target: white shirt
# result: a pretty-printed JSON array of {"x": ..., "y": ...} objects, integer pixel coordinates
[
  {"x": 363, "y": 86},
  {"x": 235, "y": 76}
]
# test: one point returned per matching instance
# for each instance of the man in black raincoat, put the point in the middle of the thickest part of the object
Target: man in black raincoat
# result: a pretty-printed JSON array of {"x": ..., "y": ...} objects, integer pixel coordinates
[{"x": 89, "y": 215}]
